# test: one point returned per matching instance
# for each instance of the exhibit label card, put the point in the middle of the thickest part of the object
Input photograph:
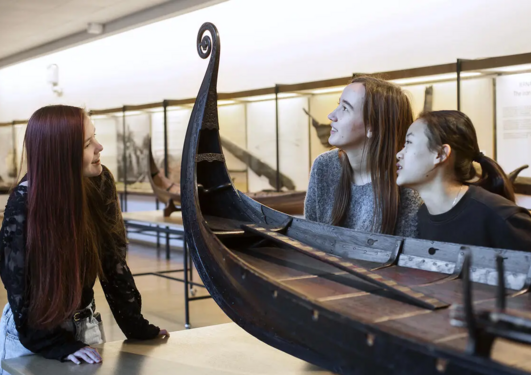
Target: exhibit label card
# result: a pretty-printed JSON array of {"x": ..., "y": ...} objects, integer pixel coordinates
[{"x": 513, "y": 122}]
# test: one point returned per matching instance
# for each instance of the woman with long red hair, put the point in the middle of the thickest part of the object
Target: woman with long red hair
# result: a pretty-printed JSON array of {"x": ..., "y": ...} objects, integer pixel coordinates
[{"x": 62, "y": 229}]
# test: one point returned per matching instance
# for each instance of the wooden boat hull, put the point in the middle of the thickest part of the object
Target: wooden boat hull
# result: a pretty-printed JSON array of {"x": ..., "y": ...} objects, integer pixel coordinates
[
  {"x": 285, "y": 320},
  {"x": 288, "y": 286}
]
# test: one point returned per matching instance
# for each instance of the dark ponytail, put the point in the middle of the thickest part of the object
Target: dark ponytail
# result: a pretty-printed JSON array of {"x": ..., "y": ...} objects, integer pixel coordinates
[
  {"x": 493, "y": 178},
  {"x": 455, "y": 129}
]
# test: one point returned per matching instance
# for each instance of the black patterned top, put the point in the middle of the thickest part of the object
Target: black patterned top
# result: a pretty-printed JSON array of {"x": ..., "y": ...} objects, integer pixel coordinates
[{"x": 119, "y": 287}]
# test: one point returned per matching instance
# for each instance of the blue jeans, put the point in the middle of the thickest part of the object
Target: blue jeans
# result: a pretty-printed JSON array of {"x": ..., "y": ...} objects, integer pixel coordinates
[
  {"x": 10, "y": 346},
  {"x": 88, "y": 330}
]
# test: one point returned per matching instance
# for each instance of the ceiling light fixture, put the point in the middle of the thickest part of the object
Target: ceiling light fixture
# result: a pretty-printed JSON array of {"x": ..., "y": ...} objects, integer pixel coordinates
[
  {"x": 95, "y": 28},
  {"x": 53, "y": 79}
]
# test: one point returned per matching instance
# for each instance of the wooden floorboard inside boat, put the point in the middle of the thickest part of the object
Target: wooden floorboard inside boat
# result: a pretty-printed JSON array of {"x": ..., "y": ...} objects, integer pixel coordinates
[
  {"x": 280, "y": 263},
  {"x": 451, "y": 291},
  {"x": 432, "y": 327},
  {"x": 330, "y": 287},
  {"x": 351, "y": 296},
  {"x": 372, "y": 308},
  {"x": 410, "y": 276}
]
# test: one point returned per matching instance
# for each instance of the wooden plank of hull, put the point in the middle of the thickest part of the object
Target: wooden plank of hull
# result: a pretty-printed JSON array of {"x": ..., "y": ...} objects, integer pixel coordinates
[
  {"x": 410, "y": 276},
  {"x": 452, "y": 291}
]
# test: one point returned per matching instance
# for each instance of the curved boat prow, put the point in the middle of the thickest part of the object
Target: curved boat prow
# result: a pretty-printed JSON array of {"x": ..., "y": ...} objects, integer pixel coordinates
[{"x": 204, "y": 173}]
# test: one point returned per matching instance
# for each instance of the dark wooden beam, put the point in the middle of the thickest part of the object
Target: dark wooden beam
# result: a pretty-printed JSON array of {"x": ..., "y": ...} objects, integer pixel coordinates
[{"x": 496, "y": 62}]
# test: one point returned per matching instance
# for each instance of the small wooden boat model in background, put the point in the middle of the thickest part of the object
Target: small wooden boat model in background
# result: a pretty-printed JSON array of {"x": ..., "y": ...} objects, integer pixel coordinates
[{"x": 351, "y": 302}]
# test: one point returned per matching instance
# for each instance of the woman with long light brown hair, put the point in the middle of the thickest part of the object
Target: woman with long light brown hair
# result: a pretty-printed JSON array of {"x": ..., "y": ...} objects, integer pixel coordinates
[
  {"x": 354, "y": 185},
  {"x": 62, "y": 229}
]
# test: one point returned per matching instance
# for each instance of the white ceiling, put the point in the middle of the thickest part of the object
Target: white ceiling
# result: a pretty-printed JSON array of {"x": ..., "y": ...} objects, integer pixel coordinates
[
  {"x": 25, "y": 24},
  {"x": 265, "y": 42}
]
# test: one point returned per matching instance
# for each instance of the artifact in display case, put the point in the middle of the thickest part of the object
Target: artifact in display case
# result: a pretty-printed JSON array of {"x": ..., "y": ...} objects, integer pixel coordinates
[
  {"x": 428, "y": 99},
  {"x": 322, "y": 130},
  {"x": 136, "y": 156},
  {"x": 522, "y": 185},
  {"x": 165, "y": 190},
  {"x": 256, "y": 165},
  {"x": 168, "y": 192},
  {"x": 8, "y": 170},
  {"x": 351, "y": 302}
]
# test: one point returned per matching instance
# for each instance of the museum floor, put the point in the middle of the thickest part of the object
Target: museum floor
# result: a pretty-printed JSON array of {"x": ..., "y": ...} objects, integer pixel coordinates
[{"x": 162, "y": 299}]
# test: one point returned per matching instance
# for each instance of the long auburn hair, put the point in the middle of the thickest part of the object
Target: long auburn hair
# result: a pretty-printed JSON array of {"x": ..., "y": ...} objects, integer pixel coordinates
[
  {"x": 62, "y": 244},
  {"x": 387, "y": 112},
  {"x": 455, "y": 129}
]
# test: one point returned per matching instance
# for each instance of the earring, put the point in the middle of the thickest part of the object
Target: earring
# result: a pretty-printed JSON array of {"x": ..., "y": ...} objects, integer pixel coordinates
[{"x": 369, "y": 133}]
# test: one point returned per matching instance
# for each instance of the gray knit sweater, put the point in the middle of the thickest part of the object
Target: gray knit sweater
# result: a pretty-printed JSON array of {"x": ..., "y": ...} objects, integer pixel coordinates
[{"x": 324, "y": 178}]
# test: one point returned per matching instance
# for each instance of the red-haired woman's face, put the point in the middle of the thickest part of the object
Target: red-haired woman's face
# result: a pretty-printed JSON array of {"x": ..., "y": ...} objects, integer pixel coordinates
[{"x": 91, "y": 153}]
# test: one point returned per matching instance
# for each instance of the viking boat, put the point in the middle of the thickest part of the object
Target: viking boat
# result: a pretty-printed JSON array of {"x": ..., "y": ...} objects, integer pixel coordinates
[
  {"x": 167, "y": 192},
  {"x": 322, "y": 130},
  {"x": 351, "y": 302}
]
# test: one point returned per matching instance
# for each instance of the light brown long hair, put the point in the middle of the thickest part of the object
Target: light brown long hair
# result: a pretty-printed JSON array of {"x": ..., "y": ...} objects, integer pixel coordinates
[
  {"x": 62, "y": 242},
  {"x": 387, "y": 113},
  {"x": 454, "y": 128}
]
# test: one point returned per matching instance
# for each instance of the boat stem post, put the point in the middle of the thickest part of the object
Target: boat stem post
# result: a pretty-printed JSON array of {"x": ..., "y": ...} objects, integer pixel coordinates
[
  {"x": 186, "y": 307},
  {"x": 277, "y": 137},
  {"x": 500, "y": 290}
]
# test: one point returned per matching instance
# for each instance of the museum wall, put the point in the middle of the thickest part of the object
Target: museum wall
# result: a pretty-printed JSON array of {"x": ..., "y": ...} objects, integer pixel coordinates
[{"x": 476, "y": 101}]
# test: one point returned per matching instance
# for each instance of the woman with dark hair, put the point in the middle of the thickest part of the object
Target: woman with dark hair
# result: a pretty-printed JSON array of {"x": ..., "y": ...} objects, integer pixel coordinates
[
  {"x": 354, "y": 185},
  {"x": 62, "y": 229},
  {"x": 460, "y": 206}
]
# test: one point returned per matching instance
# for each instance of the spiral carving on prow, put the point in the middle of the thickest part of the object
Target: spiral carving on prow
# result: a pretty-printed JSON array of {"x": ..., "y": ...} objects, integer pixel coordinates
[{"x": 204, "y": 42}]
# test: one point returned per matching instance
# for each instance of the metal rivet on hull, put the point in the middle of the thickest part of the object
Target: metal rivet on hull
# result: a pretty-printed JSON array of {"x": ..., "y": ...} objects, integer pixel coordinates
[
  {"x": 441, "y": 364},
  {"x": 370, "y": 339}
]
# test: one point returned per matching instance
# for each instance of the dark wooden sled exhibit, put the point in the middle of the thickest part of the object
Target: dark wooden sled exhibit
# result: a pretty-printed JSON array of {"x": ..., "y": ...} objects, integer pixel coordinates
[{"x": 351, "y": 302}]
